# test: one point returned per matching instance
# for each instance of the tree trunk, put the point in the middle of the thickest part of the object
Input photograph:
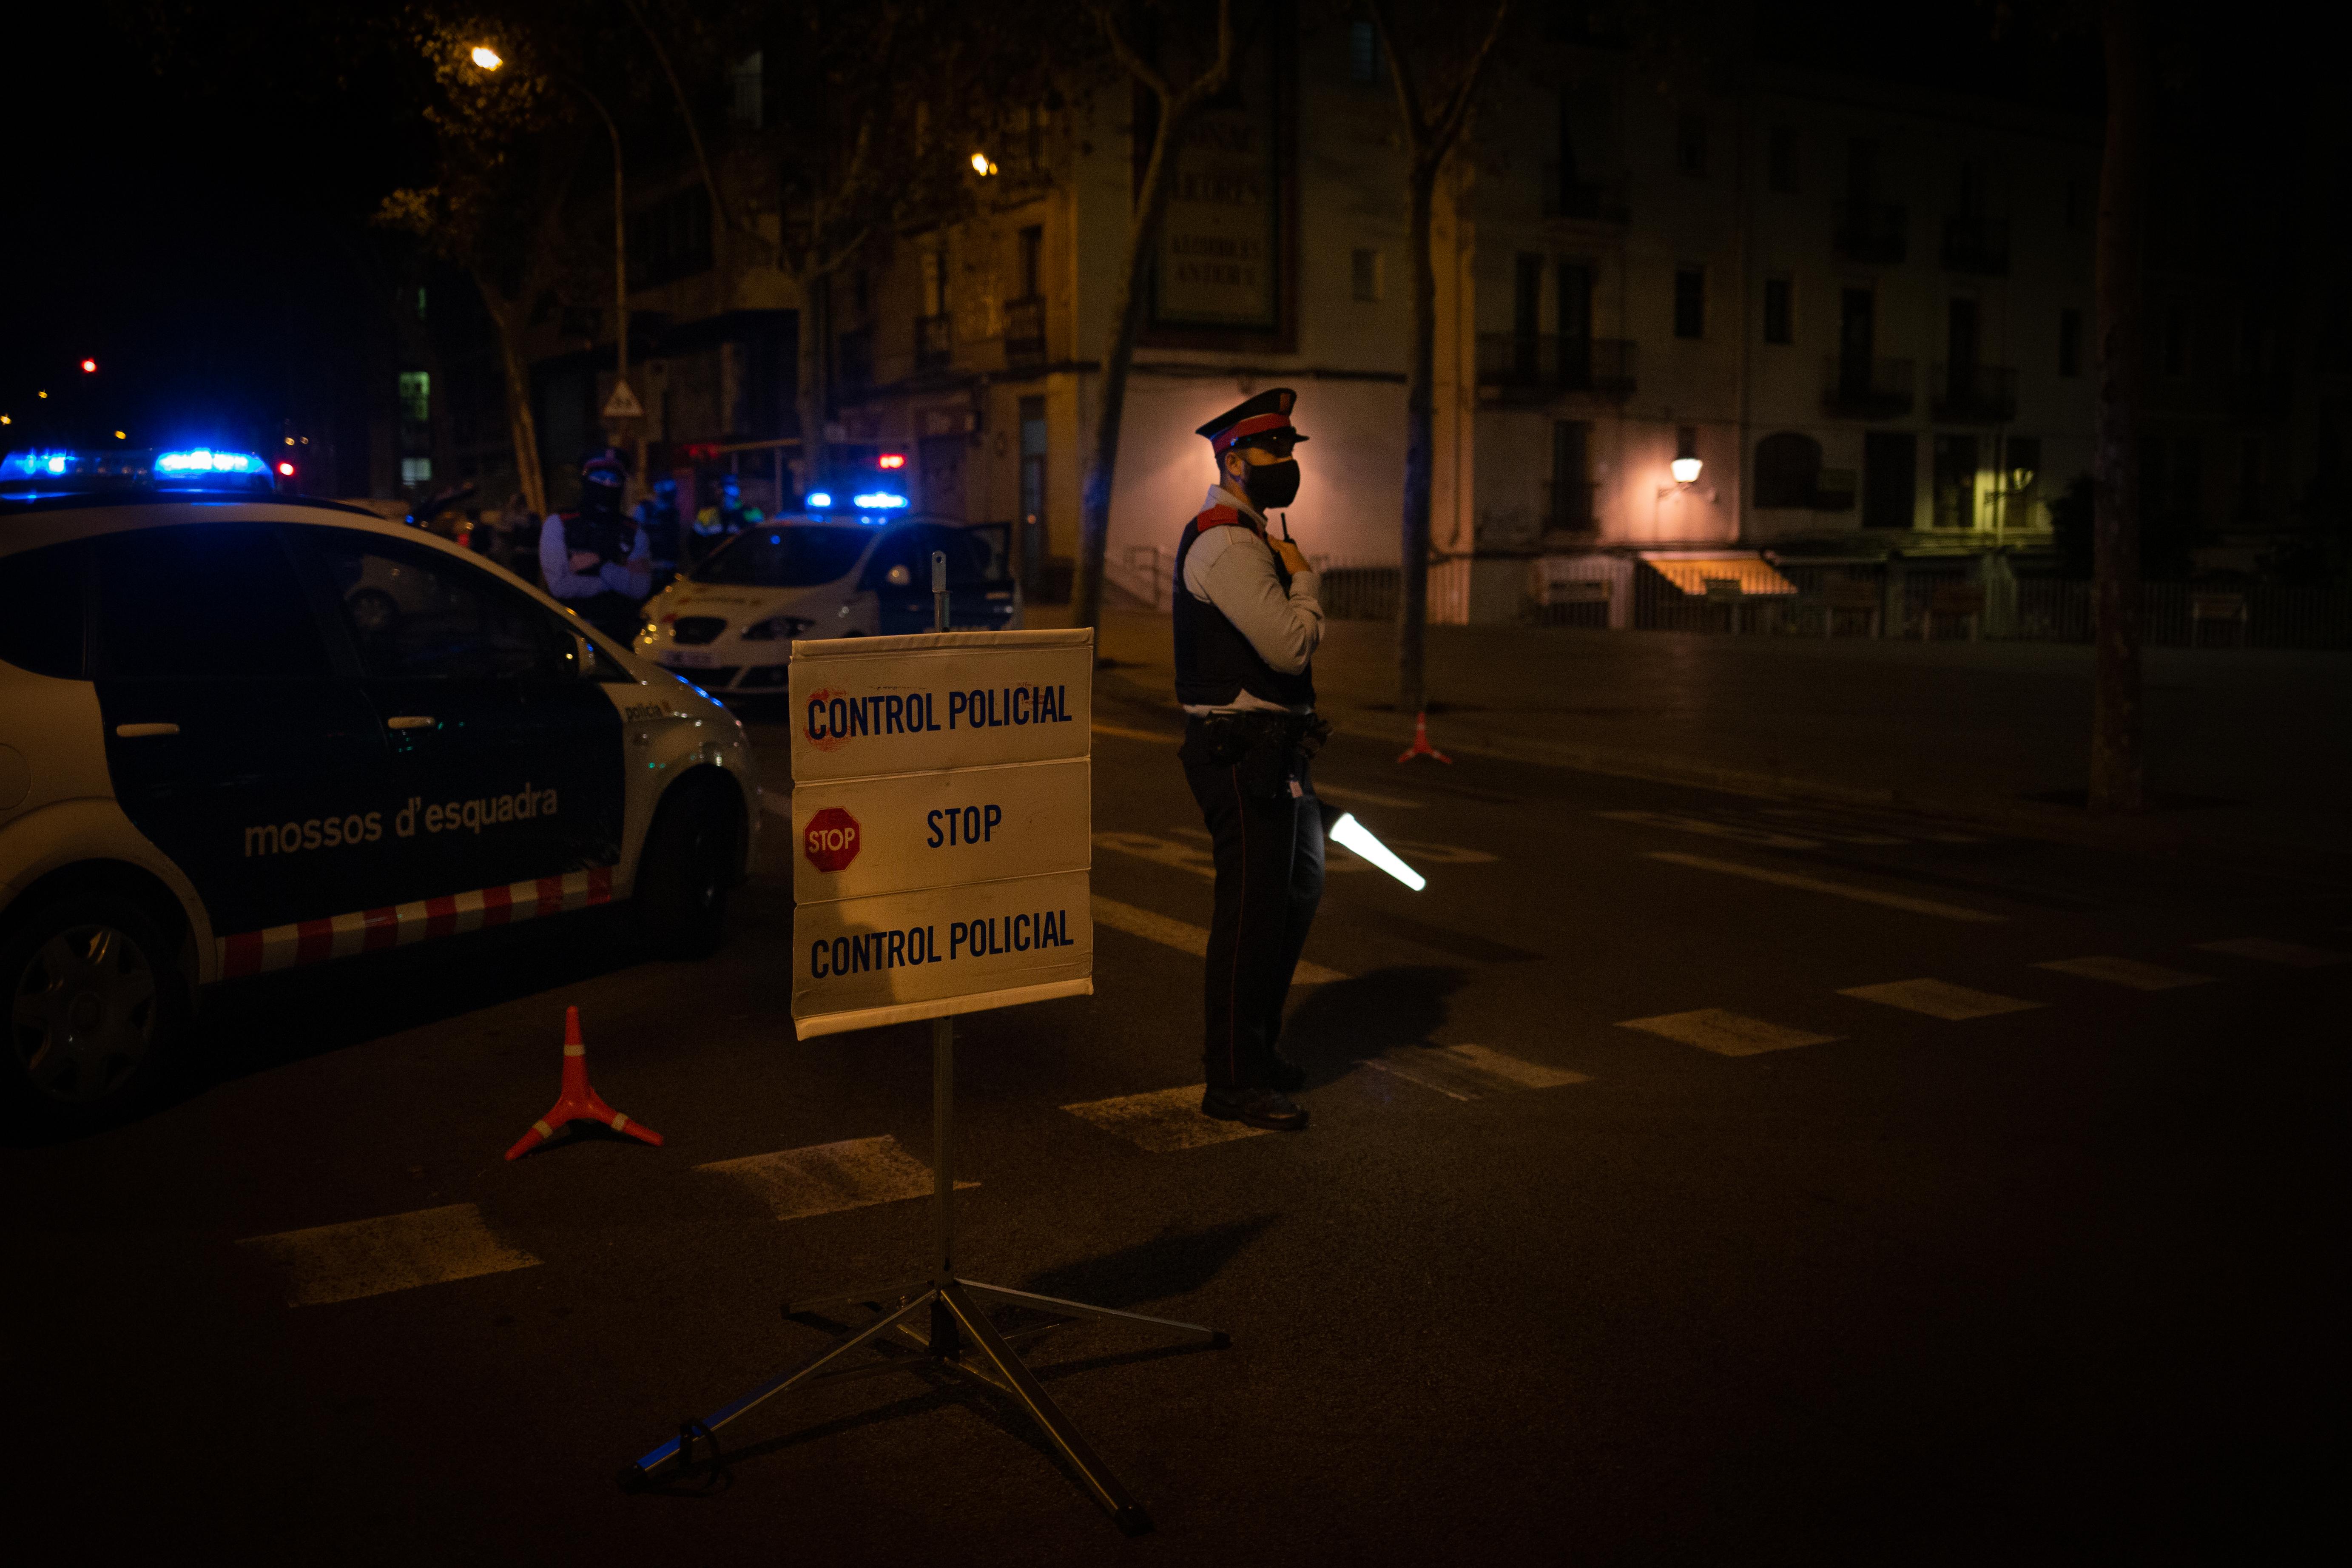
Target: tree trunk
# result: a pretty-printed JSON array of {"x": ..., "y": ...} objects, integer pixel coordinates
[
  {"x": 1420, "y": 439},
  {"x": 815, "y": 295},
  {"x": 2117, "y": 766},
  {"x": 522, "y": 430},
  {"x": 1127, "y": 324}
]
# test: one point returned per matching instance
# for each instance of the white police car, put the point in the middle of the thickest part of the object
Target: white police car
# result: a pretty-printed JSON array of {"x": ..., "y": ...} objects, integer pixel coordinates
[
  {"x": 728, "y": 625},
  {"x": 241, "y": 732}
]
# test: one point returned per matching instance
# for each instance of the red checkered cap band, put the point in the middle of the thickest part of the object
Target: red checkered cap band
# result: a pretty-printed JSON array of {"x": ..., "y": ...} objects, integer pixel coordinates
[{"x": 1255, "y": 425}]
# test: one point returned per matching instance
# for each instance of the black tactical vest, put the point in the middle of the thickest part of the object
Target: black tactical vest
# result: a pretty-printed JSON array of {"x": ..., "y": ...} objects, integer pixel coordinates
[{"x": 1214, "y": 662}]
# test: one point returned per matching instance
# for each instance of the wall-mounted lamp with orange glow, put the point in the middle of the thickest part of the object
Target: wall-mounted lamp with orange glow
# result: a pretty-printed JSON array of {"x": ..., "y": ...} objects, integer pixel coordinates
[
  {"x": 982, "y": 166},
  {"x": 1685, "y": 470},
  {"x": 485, "y": 57}
]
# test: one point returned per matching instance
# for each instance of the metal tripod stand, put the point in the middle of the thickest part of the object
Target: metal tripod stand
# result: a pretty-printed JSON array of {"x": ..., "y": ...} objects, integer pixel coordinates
[{"x": 955, "y": 1317}]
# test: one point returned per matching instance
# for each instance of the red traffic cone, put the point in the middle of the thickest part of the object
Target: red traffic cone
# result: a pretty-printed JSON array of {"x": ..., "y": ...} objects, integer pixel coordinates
[
  {"x": 1421, "y": 746},
  {"x": 578, "y": 1102}
]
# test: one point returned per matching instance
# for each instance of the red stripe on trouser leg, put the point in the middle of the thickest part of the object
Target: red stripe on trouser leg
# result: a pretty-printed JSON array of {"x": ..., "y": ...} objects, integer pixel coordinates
[
  {"x": 440, "y": 916},
  {"x": 498, "y": 905},
  {"x": 378, "y": 929},
  {"x": 600, "y": 884},
  {"x": 314, "y": 942}
]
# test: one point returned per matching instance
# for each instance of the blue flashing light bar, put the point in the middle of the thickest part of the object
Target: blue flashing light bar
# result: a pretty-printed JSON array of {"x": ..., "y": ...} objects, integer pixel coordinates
[
  {"x": 819, "y": 498},
  {"x": 205, "y": 461},
  {"x": 878, "y": 500}
]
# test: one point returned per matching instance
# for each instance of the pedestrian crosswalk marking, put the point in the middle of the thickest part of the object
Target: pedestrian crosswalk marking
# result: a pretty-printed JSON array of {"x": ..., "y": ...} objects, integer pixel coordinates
[
  {"x": 1162, "y": 1122},
  {"x": 2267, "y": 951},
  {"x": 376, "y": 1256},
  {"x": 2128, "y": 972},
  {"x": 1940, "y": 999},
  {"x": 1185, "y": 938},
  {"x": 827, "y": 1178},
  {"x": 1680, "y": 824},
  {"x": 1726, "y": 1033},
  {"x": 1836, "y": 889},
  {"x": 1469, "y": 1072},
  {"x": 1369, "y": 797}
]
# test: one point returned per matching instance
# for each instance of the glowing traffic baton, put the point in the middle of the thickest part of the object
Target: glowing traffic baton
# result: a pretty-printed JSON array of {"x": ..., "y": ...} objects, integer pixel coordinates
[{"x": 1353, "y": 835}]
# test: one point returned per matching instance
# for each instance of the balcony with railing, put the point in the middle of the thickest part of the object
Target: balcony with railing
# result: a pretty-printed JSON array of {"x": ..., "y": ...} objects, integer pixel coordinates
[
  {"x": 1586, "y": 201},
  {"x": 1024, "y": 331},
  {"x": 934, "y": 340},
  {"x": 1860, "y": 387},
  {"x": 1978, "y": 245},
  {"x": 1536, "y": 367},
  {"x": 1975, "y": 394},
  {"x": 1871, "y": 231}
]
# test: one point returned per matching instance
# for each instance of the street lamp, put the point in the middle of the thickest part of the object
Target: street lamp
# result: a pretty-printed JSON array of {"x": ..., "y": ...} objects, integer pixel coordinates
[
  {"x": 1685, "y": 471},
  {"x": 489, "y": 59}
]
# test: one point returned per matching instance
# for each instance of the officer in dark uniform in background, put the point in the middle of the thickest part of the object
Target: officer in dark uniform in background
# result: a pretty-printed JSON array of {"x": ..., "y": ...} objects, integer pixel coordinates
[
  {"x": 597, "y": 561},
  {"x": 1247, "y": 622}
]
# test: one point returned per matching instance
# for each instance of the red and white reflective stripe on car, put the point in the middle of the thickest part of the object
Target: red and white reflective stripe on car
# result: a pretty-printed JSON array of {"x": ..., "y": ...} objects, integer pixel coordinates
[{"x": 369, "y": 931}]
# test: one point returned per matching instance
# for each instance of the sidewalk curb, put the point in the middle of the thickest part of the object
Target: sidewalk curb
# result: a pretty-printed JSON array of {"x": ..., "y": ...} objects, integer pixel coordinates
[{"x": 2167, "y": 836}]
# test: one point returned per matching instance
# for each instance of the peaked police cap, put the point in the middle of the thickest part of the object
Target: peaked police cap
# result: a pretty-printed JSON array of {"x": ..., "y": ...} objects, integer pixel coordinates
[{"x": 1263, "y": 421}]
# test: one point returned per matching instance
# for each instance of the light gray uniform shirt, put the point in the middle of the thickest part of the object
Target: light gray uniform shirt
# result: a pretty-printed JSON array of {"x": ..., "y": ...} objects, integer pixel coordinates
[{"x": 1233, "y": 569}]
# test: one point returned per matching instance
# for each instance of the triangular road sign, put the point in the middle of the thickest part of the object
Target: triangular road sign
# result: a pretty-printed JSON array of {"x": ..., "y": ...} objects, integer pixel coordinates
[{"x": 623, "y": 404}]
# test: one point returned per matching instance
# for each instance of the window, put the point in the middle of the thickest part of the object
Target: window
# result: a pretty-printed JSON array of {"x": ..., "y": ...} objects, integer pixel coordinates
[
  {"x": 162, "y": 607},
  {"x": 1956, "y": 481},
  {"x": 43, "y": 607},
  {"x": 1366, "y": 274},
  {"x": 416, "y": 396},
  {"x": 1781, "y": 159},
  {"x": 1690, "y": 144},
  {"x": 746, "y": 100},
  {"x": 1364, "y": 64},
  {"x": 1862, "y": 170},
  {"x": 783, "y": 557},
  {"x": 2070, "y": 342},
  {"x": 1960, "y": 336},
  {"x": 1788, "y": 469},
  {"x": 1779, "y": 310},
  {"x": 1690, "y": 302},
  {"x": 911, "y": 546},
  {"x": 417, "y": 615},
  {"x": 1576, "y": 301},
  {"x": 1033, "y": 261},
  {"x": 1890, "y": 478},
  {"x": 1572, "y": 475},
  {"x": 420, "y": 303},
  {"x": 670, "y": 239},
  {"x": 1527, "y": 296},
  {"x": 415, "y": 470}
]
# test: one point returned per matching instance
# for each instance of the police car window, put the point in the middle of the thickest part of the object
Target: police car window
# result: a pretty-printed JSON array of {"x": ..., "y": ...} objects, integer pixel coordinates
[
  {"x": 205, "y": 601},
  {"x": 910, "y": 545},
  {"x": 798, "y": 557},
  {"x": 417, "y": 615},
  {"x": 44, "y": 609}
]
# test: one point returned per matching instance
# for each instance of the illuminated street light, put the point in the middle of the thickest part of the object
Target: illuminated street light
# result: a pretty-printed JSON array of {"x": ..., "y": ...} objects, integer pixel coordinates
[
  {"x": 1685, "y": 470},
  {"x": 486, "y": 57},
  {"x": 120, "y": 437},
  {"x": 981, "y": 167},
  {"x": 90, "y": 367}
]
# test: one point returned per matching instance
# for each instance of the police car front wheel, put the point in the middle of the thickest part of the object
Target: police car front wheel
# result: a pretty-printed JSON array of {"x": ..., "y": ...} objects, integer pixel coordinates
[
  {"x": 94, "y": 1006},
  {"x": 690, "y": 859}
]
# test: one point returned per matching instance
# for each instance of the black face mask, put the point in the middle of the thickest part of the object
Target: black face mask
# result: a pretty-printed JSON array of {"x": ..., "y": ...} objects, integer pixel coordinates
[{"x": 1272, "y": 485}]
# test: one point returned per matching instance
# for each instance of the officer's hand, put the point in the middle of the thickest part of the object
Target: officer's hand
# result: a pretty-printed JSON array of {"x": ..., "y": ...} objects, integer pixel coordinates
[
  {"x": 1293, "y": 559},
  {"x": 584, "y": 560}
]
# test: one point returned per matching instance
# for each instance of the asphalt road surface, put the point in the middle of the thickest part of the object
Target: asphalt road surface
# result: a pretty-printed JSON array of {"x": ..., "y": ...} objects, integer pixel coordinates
[{"x": 1693, "y": 1178}]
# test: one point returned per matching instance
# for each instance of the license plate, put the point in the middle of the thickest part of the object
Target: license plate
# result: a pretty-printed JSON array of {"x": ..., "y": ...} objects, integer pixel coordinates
[{"x": 684, "y": 660}]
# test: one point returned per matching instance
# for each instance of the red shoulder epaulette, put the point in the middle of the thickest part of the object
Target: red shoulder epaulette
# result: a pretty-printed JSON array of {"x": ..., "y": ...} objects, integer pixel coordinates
[{"x": 1221, "y": 517}]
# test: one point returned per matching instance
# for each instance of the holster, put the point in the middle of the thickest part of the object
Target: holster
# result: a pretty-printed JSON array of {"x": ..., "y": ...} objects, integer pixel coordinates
[{"x": 1269, "y": 752}]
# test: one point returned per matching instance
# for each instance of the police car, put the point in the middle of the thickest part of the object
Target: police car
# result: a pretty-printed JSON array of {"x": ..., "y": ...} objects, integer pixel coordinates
[
  {"x": 728, "y": 625},
  {"x": 242, "y": 732}
]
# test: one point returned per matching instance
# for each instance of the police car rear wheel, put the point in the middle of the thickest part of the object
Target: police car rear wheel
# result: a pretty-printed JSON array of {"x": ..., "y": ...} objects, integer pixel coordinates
[
  {"x": 683, "y": 876},
  {"x": 93, "y": 1006}
]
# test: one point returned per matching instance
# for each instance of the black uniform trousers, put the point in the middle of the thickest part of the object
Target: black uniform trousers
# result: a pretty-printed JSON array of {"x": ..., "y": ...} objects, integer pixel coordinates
[{"x": 1269, "y": 858}]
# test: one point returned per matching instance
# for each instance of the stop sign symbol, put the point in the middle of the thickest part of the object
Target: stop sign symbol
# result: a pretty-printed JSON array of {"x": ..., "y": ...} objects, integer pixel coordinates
[{"x": 830, "y": 840}]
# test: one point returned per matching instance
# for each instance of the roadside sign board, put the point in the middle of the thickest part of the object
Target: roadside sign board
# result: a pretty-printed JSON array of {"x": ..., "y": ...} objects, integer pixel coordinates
[
  {"x": 937, "y": 829},
  {"x": 623, "y": 404},
  {"x": 869, "y": 706},
  {"x": 941, "y": 818}
]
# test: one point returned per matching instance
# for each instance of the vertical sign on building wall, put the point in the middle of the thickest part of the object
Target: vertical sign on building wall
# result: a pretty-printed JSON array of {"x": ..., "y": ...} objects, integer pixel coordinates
[
  {"x": 941, "y": 824},
  {"x": 1222, "y": 272}
]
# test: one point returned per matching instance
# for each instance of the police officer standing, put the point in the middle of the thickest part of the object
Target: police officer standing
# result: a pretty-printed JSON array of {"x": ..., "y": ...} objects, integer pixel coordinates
[
  {"x": 1246, "y": 623},
  {"x": 595, "y": 560},
  {"x": 657, "y": 516}
]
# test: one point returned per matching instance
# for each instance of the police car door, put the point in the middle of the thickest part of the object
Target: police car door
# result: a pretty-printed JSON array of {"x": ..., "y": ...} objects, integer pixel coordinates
[
  {"x": 235, "y": 742},
  {"x": 506, "y": 762},
  {"x": 898, "y": 575}
]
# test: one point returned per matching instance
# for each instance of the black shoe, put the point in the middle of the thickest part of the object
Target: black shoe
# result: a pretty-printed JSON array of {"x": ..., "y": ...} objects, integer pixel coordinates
[
  {"x": 1264, "y": 1107},
  {"x": 1285, "y": 1075}
]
